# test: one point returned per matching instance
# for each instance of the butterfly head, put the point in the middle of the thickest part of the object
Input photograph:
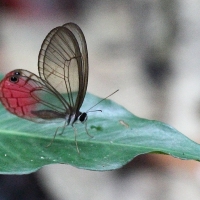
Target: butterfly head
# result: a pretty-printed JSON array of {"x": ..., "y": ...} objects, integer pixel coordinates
[{"x": 82, "y": 117}]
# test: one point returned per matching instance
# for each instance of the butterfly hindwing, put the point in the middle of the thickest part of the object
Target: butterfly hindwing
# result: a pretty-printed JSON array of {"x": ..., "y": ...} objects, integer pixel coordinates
[{"x": 25, "y": 95}]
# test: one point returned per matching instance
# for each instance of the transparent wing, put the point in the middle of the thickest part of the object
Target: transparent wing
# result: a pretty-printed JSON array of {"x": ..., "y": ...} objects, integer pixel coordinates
[
  {"x": 23, "y": 93},
  {"x": 63, "y": 63}
]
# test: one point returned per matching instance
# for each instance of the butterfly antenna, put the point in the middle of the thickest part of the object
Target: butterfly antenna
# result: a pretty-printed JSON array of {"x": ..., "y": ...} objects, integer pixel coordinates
[{"x": 101, "y": 101}]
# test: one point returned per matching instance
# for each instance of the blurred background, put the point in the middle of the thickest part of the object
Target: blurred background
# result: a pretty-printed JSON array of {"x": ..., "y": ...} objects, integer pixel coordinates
[{"x": 149, "y": 50}]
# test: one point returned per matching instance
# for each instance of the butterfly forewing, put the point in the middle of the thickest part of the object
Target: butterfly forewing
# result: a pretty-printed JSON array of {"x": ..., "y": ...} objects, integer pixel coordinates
[{"x": 63, "y": 63}]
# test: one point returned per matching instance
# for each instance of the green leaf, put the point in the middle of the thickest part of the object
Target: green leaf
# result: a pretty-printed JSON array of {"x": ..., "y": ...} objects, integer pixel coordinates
[{"x": 118, "y": 137}]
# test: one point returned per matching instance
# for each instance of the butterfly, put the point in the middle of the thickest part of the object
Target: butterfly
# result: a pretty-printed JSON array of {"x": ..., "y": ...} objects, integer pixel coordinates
[
  {"x": 58, "y": 92},
  {"x": 63, "y": 69}
]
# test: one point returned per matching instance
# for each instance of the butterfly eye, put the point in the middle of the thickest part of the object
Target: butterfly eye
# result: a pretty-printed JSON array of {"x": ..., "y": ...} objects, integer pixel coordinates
[
  {"x": 17, "y": 73},
  {"x": 14, "y": 79}
]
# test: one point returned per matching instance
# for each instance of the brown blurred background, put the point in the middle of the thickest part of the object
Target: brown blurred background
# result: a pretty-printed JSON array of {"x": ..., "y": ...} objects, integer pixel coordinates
[{"x": 147, "y": 49}]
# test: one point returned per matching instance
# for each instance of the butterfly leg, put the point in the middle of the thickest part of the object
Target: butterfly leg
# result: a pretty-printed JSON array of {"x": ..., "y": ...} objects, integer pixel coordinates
[
  {"x": 53, "y": 138},
  {"x": 75, "y": 134},
  {"x": 63, "y": 128},
  {"x": 87, "y": 130}
]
